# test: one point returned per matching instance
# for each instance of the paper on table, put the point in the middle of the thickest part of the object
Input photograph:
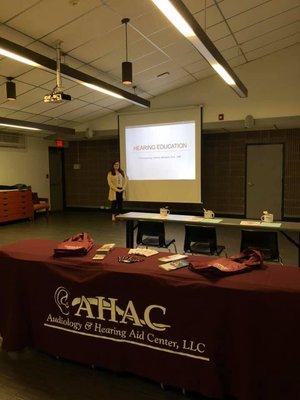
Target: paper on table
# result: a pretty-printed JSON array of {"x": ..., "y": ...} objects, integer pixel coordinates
[
  {"x": 174, "y": 257},
  {"x": 143, "y": 252},
  {"x": 99, "y": 256},
  {"x": 105, "y": 248},
  {"x": 260, "y": 223},
  {"x": 174, "y": 265},
  {"x": 250, "y": 222},
  {"x": 274, "y": 224},
  {"x": 212, "y": 220}
]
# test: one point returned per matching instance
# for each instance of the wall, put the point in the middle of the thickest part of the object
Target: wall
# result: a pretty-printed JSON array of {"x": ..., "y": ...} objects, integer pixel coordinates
[
  {"x": 224, "y": 169},
  {"x": 87, "y": 187},
  {"x": 29, "y": 165},
  {"x": 273, "y": 84}
]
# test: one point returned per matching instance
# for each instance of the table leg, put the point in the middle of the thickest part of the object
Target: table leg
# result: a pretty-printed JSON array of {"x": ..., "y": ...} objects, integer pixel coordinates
[
  {"x": 294, "y": 243},
  {"x": 129, "y": 233}
]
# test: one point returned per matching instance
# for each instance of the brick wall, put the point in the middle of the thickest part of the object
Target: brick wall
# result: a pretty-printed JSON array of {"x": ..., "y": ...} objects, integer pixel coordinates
[
  {"x": 223, "y": 170},
  {"x": 224, "y": 164},
  {"x": 87, "y": 187}
]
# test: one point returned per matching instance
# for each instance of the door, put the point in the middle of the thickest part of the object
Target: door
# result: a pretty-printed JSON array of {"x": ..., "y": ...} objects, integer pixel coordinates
[
  {"x": 56, "y": 178},
  {"x": 264, "y": 180}
]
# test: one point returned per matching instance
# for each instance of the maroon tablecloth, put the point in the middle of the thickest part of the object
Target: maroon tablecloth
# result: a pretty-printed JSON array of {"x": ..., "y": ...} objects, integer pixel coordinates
[{"x": 236, "y": 335}]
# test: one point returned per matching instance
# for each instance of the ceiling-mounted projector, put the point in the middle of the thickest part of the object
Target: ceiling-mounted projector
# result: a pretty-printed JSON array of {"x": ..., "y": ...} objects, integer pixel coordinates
[{"x": 57, "y": 95}]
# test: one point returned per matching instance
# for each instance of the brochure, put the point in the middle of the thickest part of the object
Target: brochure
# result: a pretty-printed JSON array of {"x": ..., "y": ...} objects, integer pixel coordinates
[
  {"x": 143, "y": 252},
  {"x": 173, "y": 257},
  {"x": 174, "y": 265},
  {"x": 105, "y": 248},
  {"x": 99, "y": 256}
]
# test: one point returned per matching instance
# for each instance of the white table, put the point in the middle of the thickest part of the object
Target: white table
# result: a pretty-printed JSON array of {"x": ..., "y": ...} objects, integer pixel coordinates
[{"x": 280, "y": 226}]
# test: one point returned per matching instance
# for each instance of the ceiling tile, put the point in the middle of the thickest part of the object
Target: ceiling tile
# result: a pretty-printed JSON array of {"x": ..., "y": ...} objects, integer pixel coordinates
[
  {"x": 93, "y": 96},
  {"x": 37, "y": 76},
  {"x": 260, "y": 13},
  {"x": 234, "y": 62},
  {"x": 56, "y": 12},
  {"x": 263, "y": 27},
  {"x": 19, "y": 115},
  {"x": 212, "y": 17},
  {"x": 8, "y": 9},
  {"x": 149, "y": 61},
  {"x": 39, "y": 107},
  {"x": 80, "y": 112},
  {"x": 150, "y": 23},
  {"x": 4, "y": 112},
  {"x": 76, "y": 33},
  {"x": 280, "y": 44},
  {"x": 197, "y": 66},
  {"x": 271, "y": 37},
  {"x": 37, "y": 118},
  {"x": 197, "y": 5},
  {"x": 205, "y": 73},
  {"x": 230, "y": 8},
  {"x": 130, "y": 8},
  {"x": 166, "y": 36},
  {"x": 12, "y": 68},
  {"x": 104, "y": 44},
  {"x": 65, "y": 107},
  {"x": 218, "y": 31}
]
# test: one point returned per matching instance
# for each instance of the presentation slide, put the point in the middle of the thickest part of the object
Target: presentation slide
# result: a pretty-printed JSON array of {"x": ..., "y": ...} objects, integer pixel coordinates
[{"x": 159, "y": 152}]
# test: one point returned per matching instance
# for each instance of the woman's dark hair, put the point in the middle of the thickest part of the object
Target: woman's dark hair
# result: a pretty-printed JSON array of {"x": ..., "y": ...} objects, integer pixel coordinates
[{"x": 113, "y": 171}]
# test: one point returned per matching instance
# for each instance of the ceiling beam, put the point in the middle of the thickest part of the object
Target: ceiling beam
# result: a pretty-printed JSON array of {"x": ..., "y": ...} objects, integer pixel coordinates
[
  {"x": 40, "y": 61},
  {"x": 43, "y": 127}
]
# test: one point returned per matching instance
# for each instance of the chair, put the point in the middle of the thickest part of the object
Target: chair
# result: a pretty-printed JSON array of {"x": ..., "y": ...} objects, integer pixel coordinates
[
  {"x": 150, "y": 233},
  {"x": 202, "y": 240},
  {"x": 40, "y": 204},
  {"x": 264, "y": 241}
]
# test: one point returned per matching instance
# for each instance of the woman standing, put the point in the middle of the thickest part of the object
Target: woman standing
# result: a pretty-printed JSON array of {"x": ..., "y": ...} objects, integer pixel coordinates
[{"x": 117, "y": 182}]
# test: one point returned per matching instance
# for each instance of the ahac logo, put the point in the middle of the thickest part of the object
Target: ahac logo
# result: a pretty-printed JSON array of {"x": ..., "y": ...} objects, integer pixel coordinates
[{"x": 106, "y": 309}]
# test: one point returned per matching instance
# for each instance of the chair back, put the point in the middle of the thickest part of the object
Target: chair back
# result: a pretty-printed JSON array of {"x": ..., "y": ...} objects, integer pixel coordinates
[
  {"x": 265, "y": 241},
  {"x": 152, "y": 229},
  {"x": 35, "y": 198},
  {"x": 200, "y": 234}
]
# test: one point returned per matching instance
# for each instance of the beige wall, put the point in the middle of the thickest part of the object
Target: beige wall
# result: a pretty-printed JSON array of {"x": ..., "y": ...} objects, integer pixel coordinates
[
  {"x": 29, "y": 165},
  {"x": 272, "y": 81}
]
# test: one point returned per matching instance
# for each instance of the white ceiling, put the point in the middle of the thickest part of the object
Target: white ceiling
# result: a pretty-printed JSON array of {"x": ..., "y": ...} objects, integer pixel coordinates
[{"x": 93, "y": 41}]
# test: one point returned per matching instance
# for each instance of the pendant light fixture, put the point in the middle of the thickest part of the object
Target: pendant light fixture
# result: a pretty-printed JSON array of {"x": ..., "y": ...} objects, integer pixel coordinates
[
  {"x": 10, "y": 89},
  {"x": 126, "y": 65}
]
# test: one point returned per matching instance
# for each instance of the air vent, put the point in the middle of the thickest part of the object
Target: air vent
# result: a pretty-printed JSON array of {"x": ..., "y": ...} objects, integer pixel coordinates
[{"x": 12, "y": 140}]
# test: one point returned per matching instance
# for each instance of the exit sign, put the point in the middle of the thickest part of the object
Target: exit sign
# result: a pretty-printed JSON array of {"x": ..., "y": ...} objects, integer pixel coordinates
[{"x": 59, "y": 143}]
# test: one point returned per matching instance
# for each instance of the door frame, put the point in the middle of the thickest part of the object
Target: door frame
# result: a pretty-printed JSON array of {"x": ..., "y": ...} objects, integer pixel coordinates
[
  {"x": 282, "y": 179},
  {"x": 63, "y": 176}
]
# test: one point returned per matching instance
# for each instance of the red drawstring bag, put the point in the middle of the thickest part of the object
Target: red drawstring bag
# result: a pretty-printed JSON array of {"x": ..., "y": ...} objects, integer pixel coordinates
[
  {"x": 243, "y": 261},
  {"x": 77, "y": 245}
]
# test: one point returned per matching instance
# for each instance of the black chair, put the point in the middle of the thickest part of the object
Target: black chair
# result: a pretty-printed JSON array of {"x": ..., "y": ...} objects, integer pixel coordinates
[
  {"x": 202, "y": 240},
  {"x": 150, "y": 233},
  {"x": 264, "y": 241}
]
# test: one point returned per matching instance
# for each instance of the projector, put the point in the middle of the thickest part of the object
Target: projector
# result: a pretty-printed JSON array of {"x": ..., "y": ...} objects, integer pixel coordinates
[{"x": 57, "y": 97}]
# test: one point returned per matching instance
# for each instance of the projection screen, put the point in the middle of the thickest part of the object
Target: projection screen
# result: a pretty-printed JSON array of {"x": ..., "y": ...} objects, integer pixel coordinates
[{"x": 160, "y": 151}]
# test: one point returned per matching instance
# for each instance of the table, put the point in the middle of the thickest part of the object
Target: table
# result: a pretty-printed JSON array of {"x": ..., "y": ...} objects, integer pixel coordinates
[
  {"x": 220, "y": 336},
  {"x": 132, "y": 217}
]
